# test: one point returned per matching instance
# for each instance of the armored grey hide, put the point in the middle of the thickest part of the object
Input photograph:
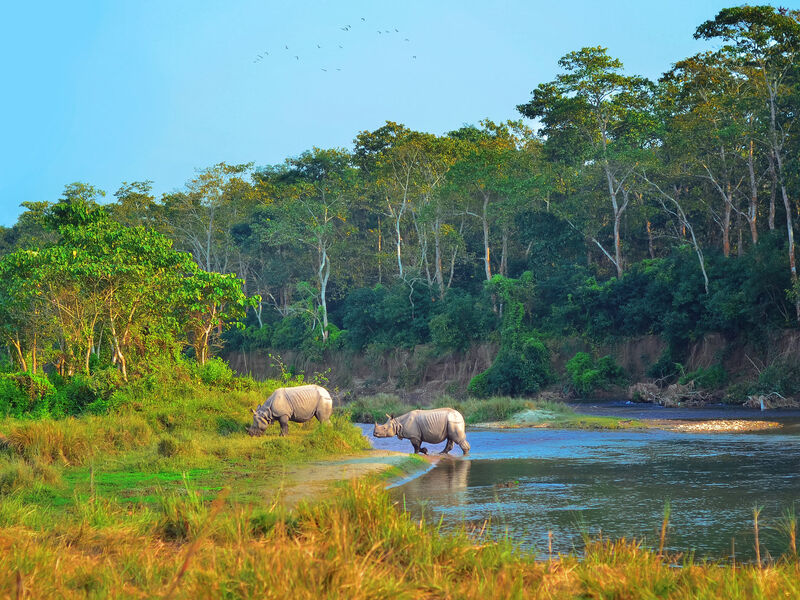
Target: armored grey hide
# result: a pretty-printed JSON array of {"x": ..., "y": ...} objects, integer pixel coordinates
[
  {"x": 431, "y": 426},
  {"x": 298, "y": 404}
]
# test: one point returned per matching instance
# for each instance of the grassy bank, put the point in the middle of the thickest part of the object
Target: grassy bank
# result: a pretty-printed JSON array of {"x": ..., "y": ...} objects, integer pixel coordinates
[
  {"x": 354, "y": 545},
  {"x": 502, "y": 411},
  {"x": 158, "y": 437}
]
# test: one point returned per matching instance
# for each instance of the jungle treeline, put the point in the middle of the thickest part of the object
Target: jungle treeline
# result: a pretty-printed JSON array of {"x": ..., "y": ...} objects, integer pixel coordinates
[{"x": 614, "y": 206}]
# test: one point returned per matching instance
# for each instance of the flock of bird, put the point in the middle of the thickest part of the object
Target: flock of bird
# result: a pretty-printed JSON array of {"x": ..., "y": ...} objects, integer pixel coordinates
[{"x": 266, "y": 54}]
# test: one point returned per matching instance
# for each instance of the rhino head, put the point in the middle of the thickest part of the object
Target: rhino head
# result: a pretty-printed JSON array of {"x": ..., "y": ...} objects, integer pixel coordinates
[
  {"x": 388, "y": 429},
  {"x": 261, "y": 420}
]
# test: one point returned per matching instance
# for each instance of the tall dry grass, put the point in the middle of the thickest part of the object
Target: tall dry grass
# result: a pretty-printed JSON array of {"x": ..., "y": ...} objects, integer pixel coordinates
[{"x": 356, "y": 545}]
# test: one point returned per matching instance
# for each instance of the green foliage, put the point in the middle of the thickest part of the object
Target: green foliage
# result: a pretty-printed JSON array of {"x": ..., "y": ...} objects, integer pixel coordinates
[
  {"x": 522, "y": 365},
  {"x": 782, "y": 376},
  {"x": 587, "y": 375},
  {"x": 478, "y": 386},
  {"x": 461, "y": 320},
  {"x": 393, "y": 316},
  {"x": 711, "y": 378},
  {"x": 27, "y": 394},
  {"x": 215, "y": 372}
]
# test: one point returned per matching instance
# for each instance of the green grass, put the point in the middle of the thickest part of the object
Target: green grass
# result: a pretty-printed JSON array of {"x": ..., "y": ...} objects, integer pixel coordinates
[
  {"x": 158, "y": 439},
  {"x": 508, "y": 411}
]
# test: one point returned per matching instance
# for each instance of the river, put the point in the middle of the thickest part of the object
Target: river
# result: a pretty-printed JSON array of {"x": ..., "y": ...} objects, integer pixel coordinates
[{"x": 533, "y": 481}]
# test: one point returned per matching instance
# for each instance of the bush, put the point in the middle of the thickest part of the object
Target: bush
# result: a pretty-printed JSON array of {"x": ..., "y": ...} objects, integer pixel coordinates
[
  {"x": 520, "y": 370},
  {"x": 586, "y": 375},
  {"x": 215, "y": 372},
  {"x": 782, "y": 376},
  {"x": 26, "y": 394},
  {"x": 479, "y": 385},
  {"x": 713, "y": 377}
]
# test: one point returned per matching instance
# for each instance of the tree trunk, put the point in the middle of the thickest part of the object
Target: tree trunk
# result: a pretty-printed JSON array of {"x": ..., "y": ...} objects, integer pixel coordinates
[
  {"x": 650, "y": 247},
  {"x": 752, "y": 212},
  {"x": 726, "y": 224},
  {"x": 485, "y": 223},
  {"x": 772, "y": 193},
  {"x": 504, "y": 255},
  {"x": 23, "y": 364},
  {"x": 437, "y": 244},
  {"x": 324, "y": 273},
  {"x": 792, "y": 264}
]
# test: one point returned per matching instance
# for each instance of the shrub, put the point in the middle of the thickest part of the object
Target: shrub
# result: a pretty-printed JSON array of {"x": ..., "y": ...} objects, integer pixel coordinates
[
  {"x": 26, "y": 394},
  {"x": 712, "y": 377},
  {"x": 782, "y": 376},
  {"x": 519, "y": 370},
  {"x": 214, "y": 372},
  {"x": 479, "y": 385},
  {"x": 587, "y": 375}
]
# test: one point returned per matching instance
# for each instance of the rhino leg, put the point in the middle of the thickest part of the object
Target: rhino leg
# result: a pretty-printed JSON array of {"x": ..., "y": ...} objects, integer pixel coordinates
[
  {"x": 284, "y": 421},
  {"x": 418, "y": 449},
  {"x": 448, "y": 446},
  {"x": 456, "y": 433}
]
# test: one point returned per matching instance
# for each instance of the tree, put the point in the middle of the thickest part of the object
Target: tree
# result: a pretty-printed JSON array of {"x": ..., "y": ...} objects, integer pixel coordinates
[
  {"x": 764, "y": 43},
  {"x": 314, "y": 194},
  {"x": 595, "y": 117},
  {"x": 135, "y": 204},
  {"x": 200, "y": 219}
]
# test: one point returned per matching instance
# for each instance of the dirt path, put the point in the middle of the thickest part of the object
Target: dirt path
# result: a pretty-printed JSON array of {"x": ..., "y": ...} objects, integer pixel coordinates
[{"x": 305, "y": 481}]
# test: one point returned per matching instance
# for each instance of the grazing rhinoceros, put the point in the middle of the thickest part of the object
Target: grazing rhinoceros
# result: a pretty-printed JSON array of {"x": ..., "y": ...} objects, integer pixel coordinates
[
  {"x": 431, "y": 426},
  {"x": 298, "y": 404}
]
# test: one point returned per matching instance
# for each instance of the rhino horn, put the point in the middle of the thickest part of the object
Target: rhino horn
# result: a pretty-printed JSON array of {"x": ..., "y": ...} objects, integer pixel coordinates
[
  {"x": 388, "y": 416},
  {"x": 253, "y": 410}
]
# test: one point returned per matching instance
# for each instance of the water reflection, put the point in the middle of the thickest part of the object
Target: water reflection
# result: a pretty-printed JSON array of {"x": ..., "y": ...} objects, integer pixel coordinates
[{"x": 448, "y": 482}]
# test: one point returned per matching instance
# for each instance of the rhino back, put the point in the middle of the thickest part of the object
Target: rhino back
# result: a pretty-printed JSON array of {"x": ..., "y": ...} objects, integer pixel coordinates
[
  {"x": 427, "y": 425},
  {"x": 303, "y": 401}
]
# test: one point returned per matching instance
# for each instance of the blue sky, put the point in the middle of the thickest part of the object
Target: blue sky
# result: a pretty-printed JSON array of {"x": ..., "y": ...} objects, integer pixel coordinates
[{"x": 106, "y": 92}]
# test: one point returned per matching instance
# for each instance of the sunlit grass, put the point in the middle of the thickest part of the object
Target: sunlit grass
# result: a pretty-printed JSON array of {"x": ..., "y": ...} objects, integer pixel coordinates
[{"x": 354, "y": 544}]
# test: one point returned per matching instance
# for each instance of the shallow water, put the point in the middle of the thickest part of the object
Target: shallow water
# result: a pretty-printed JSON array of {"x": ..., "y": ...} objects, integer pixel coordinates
[{"x": 532, "y": 481}]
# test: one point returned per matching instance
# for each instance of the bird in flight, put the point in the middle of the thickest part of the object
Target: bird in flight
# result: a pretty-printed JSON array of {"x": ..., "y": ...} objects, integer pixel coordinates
[
  {"x": 298, "y": 58},
  {"x": 326, "y": 70},
  {"x": 287, "y": 47},
  {"x": 318, "y": 46},
  {"x": 363, "y": 19},
  {"x": 405, "y": 40}
]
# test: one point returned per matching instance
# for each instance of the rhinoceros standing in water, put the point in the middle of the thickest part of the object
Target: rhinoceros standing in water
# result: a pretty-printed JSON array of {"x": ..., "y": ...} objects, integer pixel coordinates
[
  {"x": 431, "y": 426},
  {"x": 298, "y": 404}
]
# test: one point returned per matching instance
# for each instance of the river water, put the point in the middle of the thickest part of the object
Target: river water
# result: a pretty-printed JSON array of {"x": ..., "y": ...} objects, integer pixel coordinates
[{"x": 531, "y": 481}]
